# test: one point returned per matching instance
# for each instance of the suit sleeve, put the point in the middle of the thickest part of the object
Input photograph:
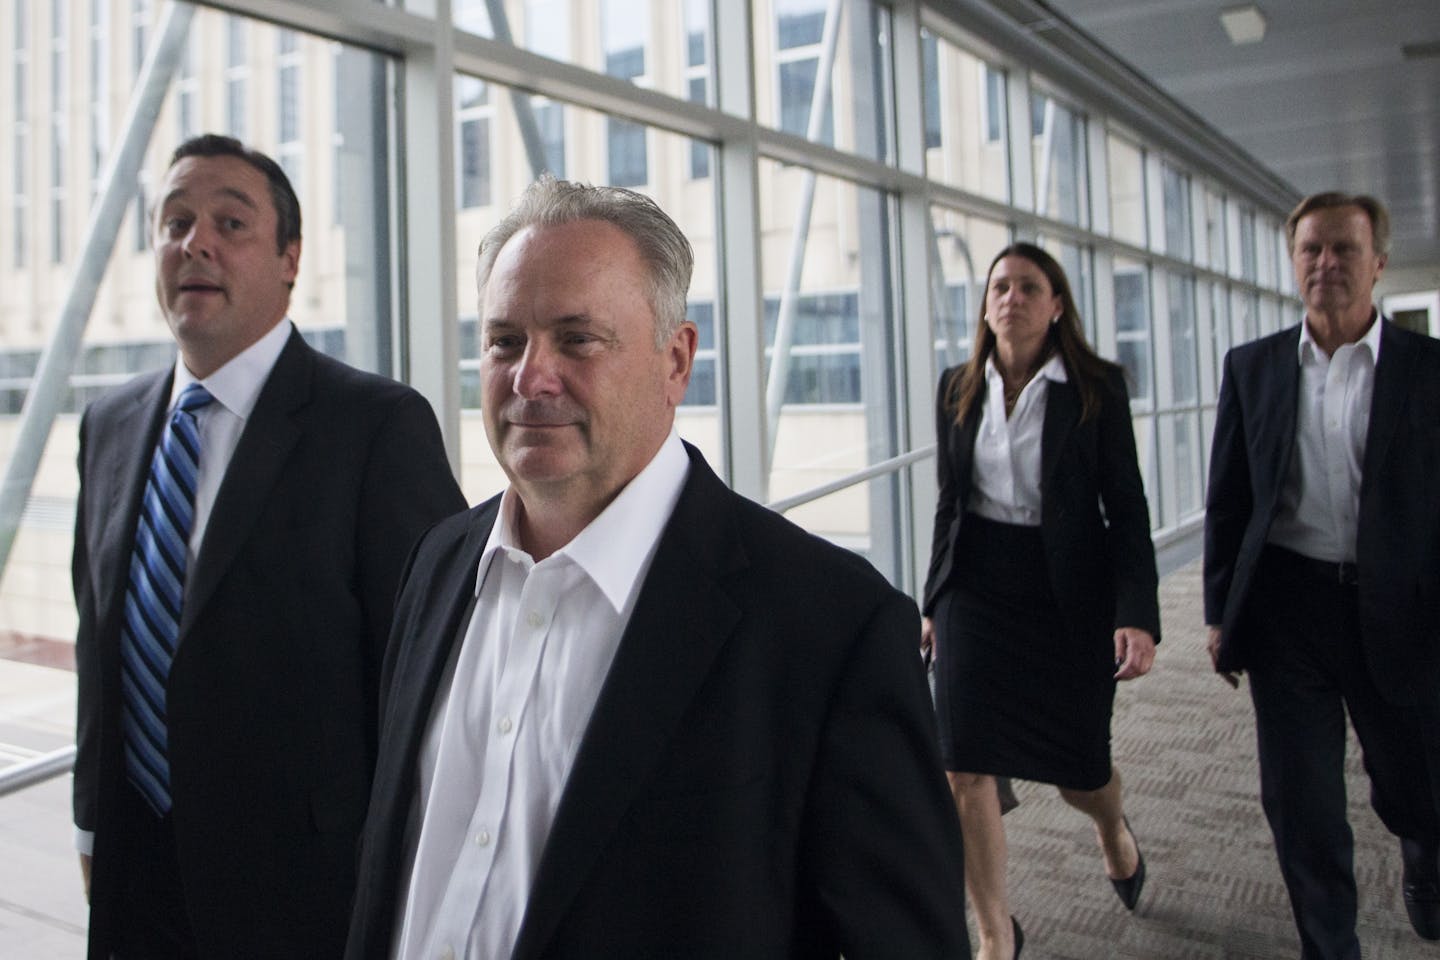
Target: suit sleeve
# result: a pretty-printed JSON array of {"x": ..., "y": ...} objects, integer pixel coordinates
[
  {"x": 408, "y": 487},
  {"x": 1127, "y": 515},
  {"x": 882, "y": 842},
  {"x": 947, "y": 495},
  {"x": 87, "y": 663},
  {"x": 1228, "y": 502}
]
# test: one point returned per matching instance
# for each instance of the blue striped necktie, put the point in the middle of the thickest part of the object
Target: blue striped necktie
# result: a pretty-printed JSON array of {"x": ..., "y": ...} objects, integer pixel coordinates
[{"x": 154, "y": 595}]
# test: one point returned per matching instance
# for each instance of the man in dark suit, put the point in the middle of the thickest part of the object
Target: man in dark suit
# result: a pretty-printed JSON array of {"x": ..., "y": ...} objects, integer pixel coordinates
[
  {"x": 1322, "y": 569},
  {"x": 241, "y": 527},
  {"x": 628, "y": 713}
]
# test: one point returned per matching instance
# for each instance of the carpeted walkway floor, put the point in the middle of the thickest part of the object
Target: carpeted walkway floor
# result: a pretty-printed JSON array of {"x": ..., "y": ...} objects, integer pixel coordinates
[{"x": 1184, "y": 744}]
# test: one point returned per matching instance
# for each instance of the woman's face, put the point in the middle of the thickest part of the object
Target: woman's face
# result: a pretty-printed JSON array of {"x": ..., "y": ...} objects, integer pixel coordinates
[{"x": 1020, "y": 303}]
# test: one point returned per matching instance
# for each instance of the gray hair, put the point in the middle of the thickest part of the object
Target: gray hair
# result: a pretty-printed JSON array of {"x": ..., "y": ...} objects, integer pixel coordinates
[{"x": 549, "y": 202}]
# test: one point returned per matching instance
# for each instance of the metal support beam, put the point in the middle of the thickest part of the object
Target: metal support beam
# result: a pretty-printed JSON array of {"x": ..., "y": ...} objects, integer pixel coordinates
[{"x": 117, "y": 187}]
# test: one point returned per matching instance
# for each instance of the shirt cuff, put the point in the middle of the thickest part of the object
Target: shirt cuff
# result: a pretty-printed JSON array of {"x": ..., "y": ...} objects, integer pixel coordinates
[{"x": 85, "y": 841}]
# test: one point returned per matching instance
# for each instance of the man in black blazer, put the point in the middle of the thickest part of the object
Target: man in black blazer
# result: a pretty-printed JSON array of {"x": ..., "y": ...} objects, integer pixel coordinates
[
  {"x": 1322, "y": 569},
  {"x": 234, "y": 836},
  {"x": 628, "y": 713}
]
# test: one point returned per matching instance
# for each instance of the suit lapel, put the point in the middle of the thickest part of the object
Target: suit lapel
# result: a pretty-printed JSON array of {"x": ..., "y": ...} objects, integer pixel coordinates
[
  {"x": 265, "y": 443},
  {"x": 126, "y": 459},
  {"x": 1387, "y": 403},
  {"x": 1276, "y": 412},
  {"x": 681, "y": 620},
  {"x": 1062, "y": 413}
]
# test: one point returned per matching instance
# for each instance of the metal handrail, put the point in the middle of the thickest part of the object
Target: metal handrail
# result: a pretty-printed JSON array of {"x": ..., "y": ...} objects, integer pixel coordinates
[
  {"x": 893, "y": 465},
  {"x": 27, "y": 773}
]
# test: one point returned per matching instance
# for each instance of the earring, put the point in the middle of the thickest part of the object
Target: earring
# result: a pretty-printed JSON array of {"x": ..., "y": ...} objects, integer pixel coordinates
[{"x": 1055, "y": 319}]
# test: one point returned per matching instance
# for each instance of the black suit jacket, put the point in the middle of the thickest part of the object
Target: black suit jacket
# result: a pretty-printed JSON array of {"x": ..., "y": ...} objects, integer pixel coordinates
[
  {"x": 272, "y": 696},
  {"x": 759, "y": 778},
  {"x": 1094, "y": 520},
  {"x": 1398, "y": 538}
]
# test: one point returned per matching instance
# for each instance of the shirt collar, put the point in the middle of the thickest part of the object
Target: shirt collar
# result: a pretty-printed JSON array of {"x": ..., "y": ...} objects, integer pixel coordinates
[
  {"x": 614, "y": 548},
  {"x": 236, "y": 385},
  {"x": 1054, "y": 369},
  {"x": 1308, "y": 348}
]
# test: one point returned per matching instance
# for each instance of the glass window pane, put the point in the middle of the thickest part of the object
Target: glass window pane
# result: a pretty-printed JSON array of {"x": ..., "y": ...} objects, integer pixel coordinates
[
  {"x": 1127, "y": 190},
  {"x": 1184, "y": 368},
  {"x": 849, "y": 109},
  {"x": 965, "y": 140},
  {"x": 1058, "y": 151},
  {"x": 1176, "y": 188},
  {"x": 831, "y": 344},
  {"x": 342, "y": 296},
  {"x": 1132, "y": 328}
]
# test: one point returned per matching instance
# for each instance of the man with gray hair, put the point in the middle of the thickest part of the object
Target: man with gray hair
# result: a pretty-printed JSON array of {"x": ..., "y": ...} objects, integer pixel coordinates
[
  {"x": 626, "y": 712},
  {"x": 1322, "y": 569}
]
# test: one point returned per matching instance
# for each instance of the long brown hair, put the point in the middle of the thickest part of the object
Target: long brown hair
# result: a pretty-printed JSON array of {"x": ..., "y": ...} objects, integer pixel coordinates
[{"x": 1085, "y": 368}]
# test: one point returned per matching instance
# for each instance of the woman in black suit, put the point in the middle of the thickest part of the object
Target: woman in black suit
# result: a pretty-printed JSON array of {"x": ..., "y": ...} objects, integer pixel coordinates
[{"x": 1042, "y": 584}]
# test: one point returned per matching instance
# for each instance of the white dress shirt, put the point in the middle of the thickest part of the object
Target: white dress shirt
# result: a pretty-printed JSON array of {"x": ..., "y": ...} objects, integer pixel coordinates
[
  {"x": 503, "y": 732},
  {"x": 1320, "y": 501},
  {"x": 235, "y": 387},
  {"x": 1005, "y": 474}
]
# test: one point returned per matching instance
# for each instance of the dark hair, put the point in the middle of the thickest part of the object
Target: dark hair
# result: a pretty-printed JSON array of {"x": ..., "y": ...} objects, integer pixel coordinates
[
  {"x": 666, "y": 252},
  {"x": 1374, "y": 209},
  {"x": 282, "y": 195},
  {"x": 1085, "y": 368}
]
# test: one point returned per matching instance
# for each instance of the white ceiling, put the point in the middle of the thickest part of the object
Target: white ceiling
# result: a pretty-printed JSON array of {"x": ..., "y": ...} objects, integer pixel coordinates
[{"x": 1327, "y": 100}]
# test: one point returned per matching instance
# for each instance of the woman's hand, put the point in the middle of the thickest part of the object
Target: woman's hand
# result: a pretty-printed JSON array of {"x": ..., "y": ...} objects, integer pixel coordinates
[
  {"x": 927, "y": 636},
  {"x": 1134, "y": 653}
]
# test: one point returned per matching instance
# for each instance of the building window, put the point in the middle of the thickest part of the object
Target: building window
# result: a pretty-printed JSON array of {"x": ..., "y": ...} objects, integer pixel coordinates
[
  {"x": 697, "y": 76},
  {"x": 1132, "y": 328},
  {"x": 58, "y": 130},
  {"x": 99, "y": 90},
  {"x": 475, "y": 113},
  {"x": 237, "y": 78},
  {"x": 799, "y": 27},
  {"x": 187, "y": 92},
  {"x": 550, "y": 119},
  {"x": 930, "y": 64},
  {"x": 994, "y": 115},
  {"x": 139, "y": 27},
  {"x": 19, "y": 197},
  {"x": 1175, "y": 186},
  {"x": 1058, "y": 136},
  {"x": 825, "y": 348},
  {"x": 626, "y": 33},
  {"x": 290, "y": 149}
]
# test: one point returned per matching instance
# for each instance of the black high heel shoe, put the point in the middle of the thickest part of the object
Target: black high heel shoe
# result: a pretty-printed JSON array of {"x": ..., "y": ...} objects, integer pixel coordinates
[
  {"x": 1128, "y": 890},
  {"x": 1019, "y": 936}
]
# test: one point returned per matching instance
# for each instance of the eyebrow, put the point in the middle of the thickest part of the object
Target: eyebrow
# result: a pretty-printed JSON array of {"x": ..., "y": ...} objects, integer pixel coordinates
[{"x": 240, "y": 196}]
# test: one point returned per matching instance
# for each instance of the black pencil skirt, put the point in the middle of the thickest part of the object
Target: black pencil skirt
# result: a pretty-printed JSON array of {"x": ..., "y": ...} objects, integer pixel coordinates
[{"x": 1020, "y": 692}]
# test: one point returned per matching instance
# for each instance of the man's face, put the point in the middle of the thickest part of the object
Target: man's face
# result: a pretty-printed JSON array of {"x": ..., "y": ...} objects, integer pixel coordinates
[
  {"x": 577, "y": 399},
  {"x": 218, "y": 277},
  {"x": 1336, "y": 265}
]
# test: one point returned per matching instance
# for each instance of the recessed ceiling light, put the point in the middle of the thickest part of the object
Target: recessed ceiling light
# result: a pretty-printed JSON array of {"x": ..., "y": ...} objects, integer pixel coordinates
[{"x": 1243, "y": 24}]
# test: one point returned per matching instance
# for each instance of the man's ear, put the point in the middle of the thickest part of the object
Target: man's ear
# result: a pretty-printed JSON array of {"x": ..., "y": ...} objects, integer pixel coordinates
[{"x": 680, "y": 352}]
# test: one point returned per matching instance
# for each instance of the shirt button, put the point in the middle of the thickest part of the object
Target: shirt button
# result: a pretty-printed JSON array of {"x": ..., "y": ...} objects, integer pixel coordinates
[
  {"x": 504, "y": 726},
  {"x": 482, "y": 839},
  {"x": 534, "y": 618},
  {"x": 447, "y": 954}
]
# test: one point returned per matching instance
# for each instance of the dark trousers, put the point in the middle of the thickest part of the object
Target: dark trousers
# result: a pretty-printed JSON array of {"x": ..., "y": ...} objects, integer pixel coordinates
[
  {"x": 1308, "y": 669},
  {"x": 151, "y": 919}
]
